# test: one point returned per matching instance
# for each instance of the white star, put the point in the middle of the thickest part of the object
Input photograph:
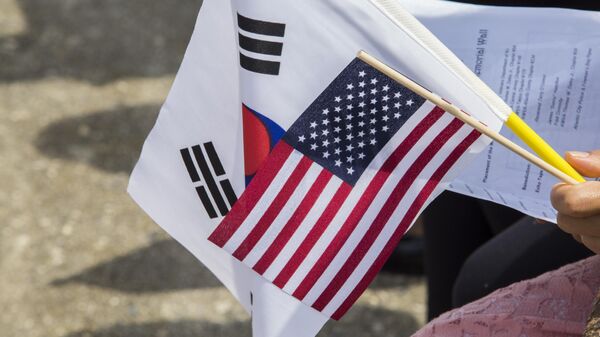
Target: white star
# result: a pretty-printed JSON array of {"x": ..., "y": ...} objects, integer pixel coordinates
[
  {"x": 325, "y": 154},
  {"x": 350, "y": 171},
  {"x": 361, "y": 94},
  {"x": 361, "y": 84},
  {"x": 349, "y": 147},
  {"x": 313, "y": 124},
  {"x": 337, "y": 140},
  {"x": 373, "y": 141},
  {"x": 373, "y": 121},
  {"x": 372, "y": 131},
  {"x": 337, "y": 119},
  {"x": 384, "y": 128},
  {"x": 349, "y": 117},
  {"x": 361, "y": 155},
  {"x": 374, "y": 81},
  {"x": 397, "y": 95},
  {"x": 313, "y": 135},
  {"x": 397, "y": 105},
  {"x": 361, "y": 134},
  {"x": 361, "y": 73},
  {"x": 325, "y": 132},
  {"x": 325, "y": 122},
  {"x": 349, "y": 159},
  {"x": 337, "y": 109},
  {"x": 385, "y": 108},
  {"x": 349, "y": 126},
  {"x": 349, "y": 136},
  {"x": 338, "y": 163},
  {"x": 361, "y": 114},
  {"x": 325, "y": 143},
  {"x": 374, "y": 101},
  {"x": 361, "y": 104},
  {"x": 397, "y": 115},
  {"x": 373, "y": 111},
  {"x": 385, "y": 98},
  {"x": 313, "y": 146},
  {"x": 349, "y": 107},
  {"x": 361, "y": 144},
  {"x": 337, "y": 129},
  {"x": 338, "y": 151},
  {"x": 385, "y": 118},
  {"x": 350, "y": 97},
  {"x": 361, "y": 123},
  {"x": 409, "y": 102},
  {"x": 338, "y": 99},
  {"x": 350, "y": 86},
  {"x": 325, "y": 111},
  {"x": 374, "y": 91},
  {"x": 385, "y": 88},
  {"x": 301, "y": 139}
]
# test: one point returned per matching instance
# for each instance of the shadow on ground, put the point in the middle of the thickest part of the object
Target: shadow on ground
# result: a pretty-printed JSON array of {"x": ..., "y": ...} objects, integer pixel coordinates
[
  {"x": 162, "y": 266},
  {"x": 368, "y": 321},
  {"x": 98, "y": 41},
  {"x": 170, "y": 329},
  {"x": 166, "y": 266},
  {"x": 389, "y": 323},
  {"x": 110, "y": 140}
]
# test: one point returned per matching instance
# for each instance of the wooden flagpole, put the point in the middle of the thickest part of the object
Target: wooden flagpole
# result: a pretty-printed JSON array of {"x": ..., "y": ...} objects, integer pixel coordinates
[{"x": 463, "y": 116}]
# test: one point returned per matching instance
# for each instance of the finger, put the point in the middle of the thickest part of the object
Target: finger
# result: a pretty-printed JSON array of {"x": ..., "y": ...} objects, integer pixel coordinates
[
  {"x": 579, "y": 200},
  {"x": 593, "y": 243},
  {"x": 586, "y": 163},
  {"x": 582, "y": 226},
  {"x": 577, "y": 238}
]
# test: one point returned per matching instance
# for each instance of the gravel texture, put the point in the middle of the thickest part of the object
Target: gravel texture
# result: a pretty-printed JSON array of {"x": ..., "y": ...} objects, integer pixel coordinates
[{"x": 81, "y": 82}]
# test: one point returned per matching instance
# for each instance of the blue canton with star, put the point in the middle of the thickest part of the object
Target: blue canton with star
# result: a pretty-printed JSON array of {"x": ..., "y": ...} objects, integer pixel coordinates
[{"x": 352, "y": 120}]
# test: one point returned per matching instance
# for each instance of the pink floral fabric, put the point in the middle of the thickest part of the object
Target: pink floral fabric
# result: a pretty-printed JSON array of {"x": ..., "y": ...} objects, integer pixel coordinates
[{"x": 554, "y": 304}]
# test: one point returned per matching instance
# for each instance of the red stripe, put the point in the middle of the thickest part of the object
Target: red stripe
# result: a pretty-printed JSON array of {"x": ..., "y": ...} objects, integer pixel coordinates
[
  {"x": 315, "y": 233},
  {"x": 251, "y": 195},
  {"x": 364, "y": 202},
  {"x": 410, "y": 215},
  {"x": 274, "y": 208},
  {"x": 385, "y": 213},
  {"x": 294, "y": 222}
]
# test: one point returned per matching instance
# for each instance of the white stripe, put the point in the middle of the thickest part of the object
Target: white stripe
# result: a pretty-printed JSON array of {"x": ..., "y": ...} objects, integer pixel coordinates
[
  {"x": 261, "y": 206},
  {"x": 300, "y": 234},
  {"x": 262, "y": 37},
  {"x": 259, "y": 56},
  {"x": 284, "y": 215},
  {"x": 395, "y": 220},
  {"x": 375, "y": 207},
  {"x": 354, "y": 196}
]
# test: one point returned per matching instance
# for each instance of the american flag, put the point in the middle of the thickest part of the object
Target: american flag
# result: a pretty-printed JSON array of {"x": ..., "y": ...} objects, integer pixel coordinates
[{"x": 341, "y": 187}]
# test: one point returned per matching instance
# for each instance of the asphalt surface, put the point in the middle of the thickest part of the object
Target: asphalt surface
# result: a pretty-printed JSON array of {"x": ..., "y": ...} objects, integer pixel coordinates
[{"x": 81, "y": 82}]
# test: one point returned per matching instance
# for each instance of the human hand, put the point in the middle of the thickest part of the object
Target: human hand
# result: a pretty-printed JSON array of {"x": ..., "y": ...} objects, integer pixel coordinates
[{"x": 578, "y": 205}]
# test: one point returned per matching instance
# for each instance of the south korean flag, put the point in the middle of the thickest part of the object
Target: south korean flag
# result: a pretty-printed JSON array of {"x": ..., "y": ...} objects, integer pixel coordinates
[{"x": 252, "y": 67}]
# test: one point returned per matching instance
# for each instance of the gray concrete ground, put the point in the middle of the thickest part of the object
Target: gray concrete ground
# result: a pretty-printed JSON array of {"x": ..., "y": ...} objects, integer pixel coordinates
[{"x": 80, "y": 85}]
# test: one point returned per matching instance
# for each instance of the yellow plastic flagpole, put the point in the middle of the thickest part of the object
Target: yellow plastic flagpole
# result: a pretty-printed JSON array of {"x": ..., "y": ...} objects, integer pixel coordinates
[
  {"x": 420, "y": 34},
  {"x": 539, "y": 146},
  {"x": 468, "y": 119}
]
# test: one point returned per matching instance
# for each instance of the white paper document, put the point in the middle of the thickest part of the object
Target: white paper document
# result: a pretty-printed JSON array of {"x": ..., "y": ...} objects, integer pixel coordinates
[{"x": 545, "y": 64}]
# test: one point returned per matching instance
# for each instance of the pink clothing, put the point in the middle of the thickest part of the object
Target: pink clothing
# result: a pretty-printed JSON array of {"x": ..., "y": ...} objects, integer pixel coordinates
[{"x": 554, "y": 304}]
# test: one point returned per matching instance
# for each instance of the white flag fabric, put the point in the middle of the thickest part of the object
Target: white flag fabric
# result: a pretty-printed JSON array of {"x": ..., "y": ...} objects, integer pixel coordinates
[{"x": 250, "y": 70}]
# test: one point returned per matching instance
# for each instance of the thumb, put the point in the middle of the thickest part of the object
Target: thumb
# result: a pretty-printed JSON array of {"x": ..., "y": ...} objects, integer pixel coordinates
[{"x": 586, "y": 163}]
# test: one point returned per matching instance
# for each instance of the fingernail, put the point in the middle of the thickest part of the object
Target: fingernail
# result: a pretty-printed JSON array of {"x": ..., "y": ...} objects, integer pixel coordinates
[{"x": 579, "y": 154}]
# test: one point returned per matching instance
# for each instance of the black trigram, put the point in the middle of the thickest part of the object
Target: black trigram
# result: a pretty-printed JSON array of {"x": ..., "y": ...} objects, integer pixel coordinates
[
  {"x": 213, "y": 187},
  {"x": 260, "y": 37}
]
